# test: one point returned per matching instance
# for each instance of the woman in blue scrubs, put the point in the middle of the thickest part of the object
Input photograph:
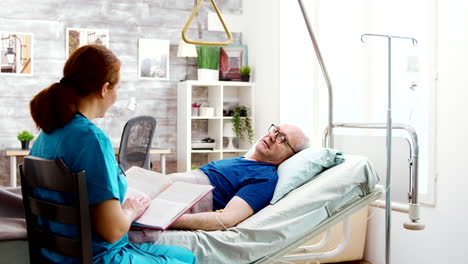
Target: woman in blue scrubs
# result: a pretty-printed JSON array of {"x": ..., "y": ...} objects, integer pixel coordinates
[{"x": 64, "y": 112}]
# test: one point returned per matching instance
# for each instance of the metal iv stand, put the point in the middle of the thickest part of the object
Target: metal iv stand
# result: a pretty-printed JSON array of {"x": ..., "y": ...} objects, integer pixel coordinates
[
  {"x": 414, "y": 216},
  {"x": 388, "y": 201}
]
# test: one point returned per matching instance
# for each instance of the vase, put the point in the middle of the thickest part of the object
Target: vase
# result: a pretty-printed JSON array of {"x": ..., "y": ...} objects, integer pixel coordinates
[
  {"x": 24, "y": 144},
  {"x": 208, "y": 75},
  {"x": 245, "y": 78}
]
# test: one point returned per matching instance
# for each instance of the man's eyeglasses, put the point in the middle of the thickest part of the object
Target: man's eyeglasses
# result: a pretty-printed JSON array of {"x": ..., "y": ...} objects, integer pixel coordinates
[{"x": 278, "y": 136}]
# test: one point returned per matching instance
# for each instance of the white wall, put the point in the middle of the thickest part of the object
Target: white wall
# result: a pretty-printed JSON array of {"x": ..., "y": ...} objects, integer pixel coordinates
[
  {"x": 298, "y": 70},
  {"x": 261, "y": 34},
  {"x": 445, "y": 239}
]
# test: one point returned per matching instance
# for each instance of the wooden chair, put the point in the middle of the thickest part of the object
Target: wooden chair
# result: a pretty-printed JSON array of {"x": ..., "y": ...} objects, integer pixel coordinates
[{"x": 55, "y": 176}]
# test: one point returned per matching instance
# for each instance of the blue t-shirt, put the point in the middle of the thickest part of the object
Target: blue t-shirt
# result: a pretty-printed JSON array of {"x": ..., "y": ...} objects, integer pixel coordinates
[
  {"x": 252, "y": 181},
  {"x": 83, "y": 146}
]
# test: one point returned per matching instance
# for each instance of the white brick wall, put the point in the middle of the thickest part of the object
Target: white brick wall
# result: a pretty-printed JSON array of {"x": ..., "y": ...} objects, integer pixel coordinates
[{"x": 127, "y": 21}]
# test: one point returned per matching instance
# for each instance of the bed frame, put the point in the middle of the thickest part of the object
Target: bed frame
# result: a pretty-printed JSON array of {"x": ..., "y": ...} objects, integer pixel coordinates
[{"x": 324, "y": 226}]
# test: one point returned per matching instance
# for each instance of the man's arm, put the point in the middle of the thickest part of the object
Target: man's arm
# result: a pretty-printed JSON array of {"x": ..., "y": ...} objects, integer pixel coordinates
[{"x": 236, "y": 211}]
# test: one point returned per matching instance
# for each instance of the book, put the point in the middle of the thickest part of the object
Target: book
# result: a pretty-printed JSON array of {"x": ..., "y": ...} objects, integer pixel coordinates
[{"x": 169, "y": 200}]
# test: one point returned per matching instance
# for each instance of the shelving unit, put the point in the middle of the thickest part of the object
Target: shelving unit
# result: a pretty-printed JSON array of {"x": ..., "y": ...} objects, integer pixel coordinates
[{"x": 221, "y": 96}]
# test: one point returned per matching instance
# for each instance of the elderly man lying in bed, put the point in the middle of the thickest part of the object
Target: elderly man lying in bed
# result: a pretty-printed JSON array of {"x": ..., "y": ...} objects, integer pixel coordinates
[{"x": 243, "y": 185}]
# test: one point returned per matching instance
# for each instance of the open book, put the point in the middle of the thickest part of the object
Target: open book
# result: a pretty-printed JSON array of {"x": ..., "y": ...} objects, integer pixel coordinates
[{"x": 169, "y": 200}]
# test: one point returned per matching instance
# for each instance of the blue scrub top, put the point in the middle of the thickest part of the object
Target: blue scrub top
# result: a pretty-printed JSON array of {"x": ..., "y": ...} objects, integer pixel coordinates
[{"x": 83, "y": 147}]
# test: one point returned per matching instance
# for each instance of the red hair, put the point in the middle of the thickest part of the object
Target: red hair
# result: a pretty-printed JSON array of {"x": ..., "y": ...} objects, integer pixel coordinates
[{"x": 84, "y": 73}]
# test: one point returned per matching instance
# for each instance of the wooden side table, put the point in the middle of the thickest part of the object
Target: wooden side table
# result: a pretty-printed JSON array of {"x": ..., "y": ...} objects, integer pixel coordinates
[{"x": 14, "y": 153}]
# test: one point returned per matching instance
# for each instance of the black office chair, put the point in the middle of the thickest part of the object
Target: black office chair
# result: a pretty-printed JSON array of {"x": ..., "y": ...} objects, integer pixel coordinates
[
  {"x": 54, "y": 175},
  {"x": 135, "y": 143}
]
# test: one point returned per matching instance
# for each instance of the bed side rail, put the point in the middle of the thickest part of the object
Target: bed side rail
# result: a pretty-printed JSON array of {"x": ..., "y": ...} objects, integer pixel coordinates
[{"x": 413, "y": 204}]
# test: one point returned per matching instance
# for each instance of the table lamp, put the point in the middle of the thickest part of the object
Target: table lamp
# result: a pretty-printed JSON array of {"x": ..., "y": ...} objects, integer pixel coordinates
[
  {"x": 229, "y": 133},
  {"x": 186, "y": 50}
]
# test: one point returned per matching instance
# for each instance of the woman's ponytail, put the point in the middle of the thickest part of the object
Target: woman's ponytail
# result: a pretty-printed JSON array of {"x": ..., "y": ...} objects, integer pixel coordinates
[{"x": 53, "y": 107}]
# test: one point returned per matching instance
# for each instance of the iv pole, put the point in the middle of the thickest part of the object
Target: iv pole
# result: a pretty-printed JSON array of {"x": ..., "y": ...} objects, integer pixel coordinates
[
  {"x": 414, "y": 223},
  {"x": 388, "y": 201}
]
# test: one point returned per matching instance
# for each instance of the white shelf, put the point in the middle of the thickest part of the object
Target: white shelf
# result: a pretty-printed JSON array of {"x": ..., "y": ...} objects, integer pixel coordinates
[
  {"x": 219, "y": 151},
  {"x": 221, "y": 95},
  {"x": 230, "y": 117},
  {"x": 218, "y": 83},
  {"x": 235, "y": 150},
  {"x": 206, "y": 151},
  {"x": 206, "y": 117}
]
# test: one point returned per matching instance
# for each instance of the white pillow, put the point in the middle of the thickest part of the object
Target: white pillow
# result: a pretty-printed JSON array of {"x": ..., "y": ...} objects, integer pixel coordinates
[{"x": 302, "y": 167}]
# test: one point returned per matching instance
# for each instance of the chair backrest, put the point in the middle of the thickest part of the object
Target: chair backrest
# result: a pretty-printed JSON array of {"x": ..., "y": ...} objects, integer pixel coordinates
[
  {"x": 135, "y": 143},
  {"x": 53, "y": 175}
]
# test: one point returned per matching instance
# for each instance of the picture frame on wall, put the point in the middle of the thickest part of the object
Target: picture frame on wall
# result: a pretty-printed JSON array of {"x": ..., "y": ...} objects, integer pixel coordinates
[
  {"x": 16, "y": 53},
  {"x": 153, "y": 59},
  {"x": 232, "y": 58},
  {"x": 78, "y": 37}
]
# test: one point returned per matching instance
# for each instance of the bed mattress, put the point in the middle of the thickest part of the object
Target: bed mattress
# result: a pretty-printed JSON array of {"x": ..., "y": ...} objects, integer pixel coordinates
[{"x": 276, "y": 226}]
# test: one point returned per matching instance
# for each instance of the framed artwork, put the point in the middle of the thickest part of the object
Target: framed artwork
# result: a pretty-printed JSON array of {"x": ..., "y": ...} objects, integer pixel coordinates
[
  {"x": 153, "y": 59},
  {"x": 78, "y": 37},
  {"x": 232, "y": 58},
  {"x": 16, "y": 53}
]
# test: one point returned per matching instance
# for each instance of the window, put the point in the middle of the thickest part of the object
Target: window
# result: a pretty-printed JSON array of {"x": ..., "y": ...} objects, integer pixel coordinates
[{"x": 358, "y": 71}]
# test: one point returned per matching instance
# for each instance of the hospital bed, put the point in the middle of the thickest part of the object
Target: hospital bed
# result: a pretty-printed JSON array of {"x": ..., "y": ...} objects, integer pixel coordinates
[{"x": 302, "y": 214}]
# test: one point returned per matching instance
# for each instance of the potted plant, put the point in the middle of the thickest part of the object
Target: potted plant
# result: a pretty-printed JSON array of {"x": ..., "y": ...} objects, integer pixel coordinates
[
  {"x": 208, "y": 63},
  {"x": 25, "y": 137},
  {"x": 245, "y": 73},
  {"x": 241, "y": 123}
]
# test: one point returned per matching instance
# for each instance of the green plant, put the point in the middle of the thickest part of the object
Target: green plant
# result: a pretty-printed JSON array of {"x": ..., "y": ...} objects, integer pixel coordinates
[
  {"x": 25, "y": 136},
  {"x": 245, "y": 70},
  {"x": 208, "y": 57},
  {"x": 241, "y": 123}
]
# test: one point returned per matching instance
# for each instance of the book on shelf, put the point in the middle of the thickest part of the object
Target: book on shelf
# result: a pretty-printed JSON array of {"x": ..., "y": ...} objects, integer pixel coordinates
[{"x": 169, "y": 200}]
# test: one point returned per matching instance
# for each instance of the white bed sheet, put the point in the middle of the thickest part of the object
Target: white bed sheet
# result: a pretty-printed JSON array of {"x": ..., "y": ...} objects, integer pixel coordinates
[{"x": 276, "y": 226}]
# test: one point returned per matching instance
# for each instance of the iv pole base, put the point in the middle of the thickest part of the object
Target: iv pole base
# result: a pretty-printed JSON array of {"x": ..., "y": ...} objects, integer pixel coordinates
[{"x": 414, "y": 225}]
